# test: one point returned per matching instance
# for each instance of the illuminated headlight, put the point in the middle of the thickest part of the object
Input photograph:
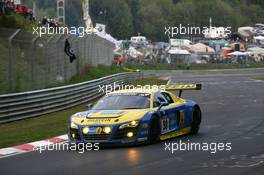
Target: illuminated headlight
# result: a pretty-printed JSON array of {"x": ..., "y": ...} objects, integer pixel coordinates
[
  {"x": 130, "y": 134},
  {"x": 74, "y": 126},
  {"x": 85, "y": 130},
  {"x": 131, "y": 124},
  {"x": 73, "y": 135},
  {"x": 107, "y": 129}
]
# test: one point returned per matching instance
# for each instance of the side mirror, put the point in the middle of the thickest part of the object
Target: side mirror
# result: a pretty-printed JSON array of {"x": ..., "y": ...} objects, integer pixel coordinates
[
  {"x": 163, "y": 104},
  {"x": 89, "y": 106}
]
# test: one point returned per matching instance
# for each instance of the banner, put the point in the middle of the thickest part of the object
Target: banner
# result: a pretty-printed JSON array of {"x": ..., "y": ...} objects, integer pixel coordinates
[
  {"x": 85, "y": 7},
  {"x": 86, "y": 16},
  {"x": 68, "y": 50}
]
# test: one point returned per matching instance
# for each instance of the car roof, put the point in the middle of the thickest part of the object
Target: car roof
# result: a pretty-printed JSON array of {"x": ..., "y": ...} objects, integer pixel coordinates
[{"x": 137, "y": 91}]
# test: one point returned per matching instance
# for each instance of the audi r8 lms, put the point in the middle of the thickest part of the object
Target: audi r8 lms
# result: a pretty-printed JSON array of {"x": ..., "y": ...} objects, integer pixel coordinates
[{"x": 137, "y": 116}]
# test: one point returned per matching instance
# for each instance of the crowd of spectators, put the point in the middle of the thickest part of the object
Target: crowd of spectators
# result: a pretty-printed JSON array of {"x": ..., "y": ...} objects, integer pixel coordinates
[
  {"x": 8, "y": 7},
  {"x": 49, "y": 22}
]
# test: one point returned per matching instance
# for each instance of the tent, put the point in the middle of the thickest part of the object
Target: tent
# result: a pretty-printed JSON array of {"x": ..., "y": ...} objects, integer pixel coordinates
[
  {"x": 241, "y": 46},
  {"x": 256, "y": 50},
  {"x": 259, "y": 37},
  {"x": 237, "y": 53},
  {"x": 179, "y": 52},
  {"x": 200, "y": 48}
]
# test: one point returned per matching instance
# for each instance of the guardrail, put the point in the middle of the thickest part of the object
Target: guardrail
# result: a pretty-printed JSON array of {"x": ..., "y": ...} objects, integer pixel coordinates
[{"x": 35, "y": 103}]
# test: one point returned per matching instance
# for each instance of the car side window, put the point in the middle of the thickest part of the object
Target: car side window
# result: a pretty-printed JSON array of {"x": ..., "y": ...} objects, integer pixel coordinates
[
  {"x": 156, "y": 101},
  {"x": 158, "y": 98},
  {"x": 168, "y": 97}
]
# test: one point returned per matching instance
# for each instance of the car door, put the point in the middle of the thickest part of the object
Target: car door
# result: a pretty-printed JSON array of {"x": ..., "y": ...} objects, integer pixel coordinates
[
  {"x": 176, "y": 115},
  {"x": 164, "y": 114}
]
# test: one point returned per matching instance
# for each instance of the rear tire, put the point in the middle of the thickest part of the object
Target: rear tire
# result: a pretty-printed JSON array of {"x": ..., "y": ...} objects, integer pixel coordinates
[
  {"x": 154, "y": 131},
  {"x": 196, "y": 120}
]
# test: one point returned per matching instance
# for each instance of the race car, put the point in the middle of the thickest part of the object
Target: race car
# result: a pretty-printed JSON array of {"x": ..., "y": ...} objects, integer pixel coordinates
[{"x": 137, "y": 116}]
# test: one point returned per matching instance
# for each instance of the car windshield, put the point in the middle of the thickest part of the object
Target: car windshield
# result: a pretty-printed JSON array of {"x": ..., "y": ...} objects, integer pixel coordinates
[{"x": 123, "y": 101}]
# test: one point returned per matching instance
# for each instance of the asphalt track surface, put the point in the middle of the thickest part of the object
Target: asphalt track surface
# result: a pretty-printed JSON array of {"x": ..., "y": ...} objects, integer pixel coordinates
[{"x": 233, "y": 111}]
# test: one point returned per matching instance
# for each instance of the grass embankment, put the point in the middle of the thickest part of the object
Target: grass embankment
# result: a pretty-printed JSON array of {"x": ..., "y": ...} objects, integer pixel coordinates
[
  {"x": 49, "y": 125},
  {"x": 91, "y": 73},
  {"x": 258, "y": 78},
  {"x": 22, "y": 81},
  {"x": 17, "y": 21},
  {"x": 195, "y": 66}
]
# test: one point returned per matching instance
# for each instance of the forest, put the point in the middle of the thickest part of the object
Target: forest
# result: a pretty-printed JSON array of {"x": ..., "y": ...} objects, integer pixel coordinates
[{"x": 125, "y": 18}]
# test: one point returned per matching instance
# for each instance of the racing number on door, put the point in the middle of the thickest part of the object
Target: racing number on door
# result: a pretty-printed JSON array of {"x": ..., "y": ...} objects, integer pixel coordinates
[{"x": 165, "y": 124}]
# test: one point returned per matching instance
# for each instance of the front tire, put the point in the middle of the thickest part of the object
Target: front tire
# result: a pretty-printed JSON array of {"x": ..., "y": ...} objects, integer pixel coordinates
[
  {"x": 154, "y": 131},
  {"x": 196, "y": 120}
]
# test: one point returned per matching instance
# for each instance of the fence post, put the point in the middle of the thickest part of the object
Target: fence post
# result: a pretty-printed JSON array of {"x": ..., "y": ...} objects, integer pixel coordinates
[
  {"x": 78, "y": 53},
  {"x": 47, "y": 61},
  {"x": 32, "y": 59},
  {"x": 10, "y": 60}
]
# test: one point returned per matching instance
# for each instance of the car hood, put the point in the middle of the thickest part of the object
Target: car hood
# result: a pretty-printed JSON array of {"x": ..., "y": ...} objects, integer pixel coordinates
[{"x": 106, "y": 117}]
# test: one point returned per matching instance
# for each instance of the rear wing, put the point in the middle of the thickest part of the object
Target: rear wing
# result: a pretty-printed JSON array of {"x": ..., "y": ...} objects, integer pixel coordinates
[{"x": 182, "y": 87}]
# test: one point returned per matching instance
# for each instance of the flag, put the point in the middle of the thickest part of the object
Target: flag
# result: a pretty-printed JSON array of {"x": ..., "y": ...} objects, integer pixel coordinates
[
  {"x": 86, "y": 16},
  {"x": 69, "y": 51},
  {"x": 85, "y": 7}
]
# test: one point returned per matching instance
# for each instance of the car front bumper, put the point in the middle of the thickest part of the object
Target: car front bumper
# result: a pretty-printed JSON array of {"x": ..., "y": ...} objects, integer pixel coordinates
[{"x": 116, "y": 137}]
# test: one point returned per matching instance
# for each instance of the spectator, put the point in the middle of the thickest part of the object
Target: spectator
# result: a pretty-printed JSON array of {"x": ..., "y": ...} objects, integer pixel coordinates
[
  {"x": 8, "y": 7},
  {"x": 44, "y": 21},
  {"x": 20, "y": 9},
  {"x": 28, "y": 13}
]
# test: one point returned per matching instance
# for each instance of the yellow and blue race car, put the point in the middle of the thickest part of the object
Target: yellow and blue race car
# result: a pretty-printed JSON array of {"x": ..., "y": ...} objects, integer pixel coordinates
[{"x": 137, "y": 116}]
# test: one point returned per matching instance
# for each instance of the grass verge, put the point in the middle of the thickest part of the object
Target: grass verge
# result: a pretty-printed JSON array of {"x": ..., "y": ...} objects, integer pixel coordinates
[
  {"x": 49, "y": 125},
  {"x": 258, "y": 78},
  {"x": 17, "y": 21},
  {"x": 91, "y": 73}
]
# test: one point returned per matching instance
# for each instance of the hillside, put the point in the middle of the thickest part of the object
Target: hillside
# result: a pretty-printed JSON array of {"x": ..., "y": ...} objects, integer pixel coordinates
[{"x": 129, "y": 17}]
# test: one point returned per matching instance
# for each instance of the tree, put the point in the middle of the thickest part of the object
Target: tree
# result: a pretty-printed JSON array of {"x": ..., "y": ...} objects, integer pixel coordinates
[
  {"x": 124, "y": 18},
  {"x": 118, "y": 17}
]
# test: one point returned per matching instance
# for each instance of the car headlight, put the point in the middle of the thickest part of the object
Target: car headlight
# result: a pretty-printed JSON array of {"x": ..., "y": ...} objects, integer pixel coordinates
[
  {"x": 131, "y": 124},
  {"x": 107, "y": 129},
  {"x": 73, "y": 125},
  {"x": 85, "y": 130}
]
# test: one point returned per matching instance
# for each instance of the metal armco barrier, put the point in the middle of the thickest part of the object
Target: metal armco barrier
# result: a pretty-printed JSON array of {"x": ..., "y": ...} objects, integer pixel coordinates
[{"x": 35, "y": 103}]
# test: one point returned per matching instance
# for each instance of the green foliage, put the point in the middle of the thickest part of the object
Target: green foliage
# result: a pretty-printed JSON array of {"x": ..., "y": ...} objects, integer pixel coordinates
[
  {"x": 116, "y": 14},
  {"x": 155, "y": 16},
  {"x": 90, "y": 73},
  {"x": 16, "y": 21},
  {"x": 150, "y": 17},
  {"x": 33, "y": 129},
  {"x": 125, "y": 18}
]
